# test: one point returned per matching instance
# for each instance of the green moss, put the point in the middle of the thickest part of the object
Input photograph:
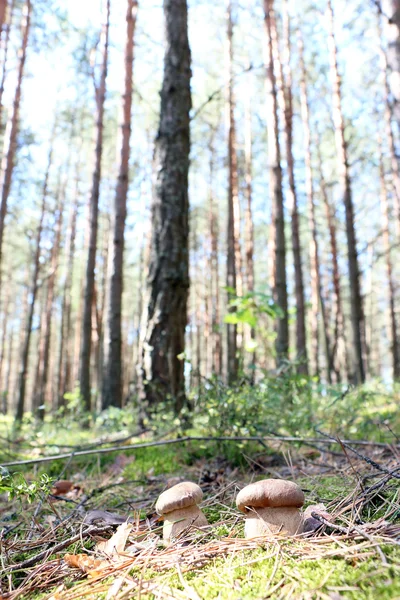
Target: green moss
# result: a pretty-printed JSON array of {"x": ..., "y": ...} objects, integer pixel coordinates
[{"x": 255, "y": 575}]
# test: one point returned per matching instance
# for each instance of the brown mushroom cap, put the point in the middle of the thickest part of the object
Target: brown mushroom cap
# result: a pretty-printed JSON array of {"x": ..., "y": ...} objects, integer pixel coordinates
[
  {"x": 274, "y": 493},
  {"x": 181, "y": 495}
]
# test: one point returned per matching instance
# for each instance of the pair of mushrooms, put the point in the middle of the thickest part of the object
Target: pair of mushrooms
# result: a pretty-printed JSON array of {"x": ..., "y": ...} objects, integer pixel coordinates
[{"x": 270, "y": 506}]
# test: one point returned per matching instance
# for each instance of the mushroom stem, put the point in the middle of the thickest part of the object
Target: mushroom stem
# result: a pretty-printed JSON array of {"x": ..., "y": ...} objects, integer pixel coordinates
[
  {"x": 177, "y": 521},
  {"x": 265, "y": 521}
]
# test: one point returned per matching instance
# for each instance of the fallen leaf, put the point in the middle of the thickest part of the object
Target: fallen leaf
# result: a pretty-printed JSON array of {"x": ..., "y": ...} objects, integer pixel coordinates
[
  {"x": 116, "y": 544},
  {"x": 83, "y": 562},
  {"x": 66, "y": 488}
]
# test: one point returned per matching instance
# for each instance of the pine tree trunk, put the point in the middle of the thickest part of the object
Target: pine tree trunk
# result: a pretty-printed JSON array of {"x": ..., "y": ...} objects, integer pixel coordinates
[
  {"x": 86, "y": 342},
  {"x": 284, "y": 96},
  {"x": 7, "y": 166},
  {"x": 339, "y": 355},
  {"x": 164, "y": 344},
  {"x": 390, "y": 137},
  {"x": 357, "y": 314},
  {"x": 249, "y": 225},
  {"x": 316, "y": 287},
  {"x": 6, "y": 315},
  {"x": 66, "y": 333},
  {"x": 391, "y": 10},
  {"x": 216, "y": 362},
  {"x": 233, "y": 260},
  {"x": 113, "y": 385},
  {"x": 31, "y": 307},
  {"x": 43, "y": 378},
  {"x": 7, "y": 392},
  {"x": 389, "y": 271},
  {"x": 3, "y": 10},
  {"x": 275, "y": 170},
  {"x": 5, "y": 56}
]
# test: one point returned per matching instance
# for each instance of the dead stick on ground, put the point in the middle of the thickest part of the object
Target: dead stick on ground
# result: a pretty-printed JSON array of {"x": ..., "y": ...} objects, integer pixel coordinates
[
  {"x": 259, "y": 439},
  {"x": 378, "y": 467},
  {"x": 30, "y": 562}
]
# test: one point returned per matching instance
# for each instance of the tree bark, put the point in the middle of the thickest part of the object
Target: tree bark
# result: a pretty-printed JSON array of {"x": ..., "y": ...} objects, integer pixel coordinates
[
  {"x": 339, "y": 356},
  {"x": 395, "y": 350},
  {"x": 249, "y": 225},
  {"x": 284, "y": 96},
  {"x": 233, "y": 260},
  {"x": 86, "y": 343},
  {"x": 316, "y": 287},
  {"x": 275, "y": 170},
  {"x": 216, "y": 362},
  {"x": 113, "y": 385},
  {"x": 162, "y": 365},
  {"x": 6, "y": 316},
  {"x": 390, "y": 138},
  {"x": 33, "y": 294},
  {"x": 66, "y": 334},
  {"x": 43, "y": 375},
  {"x": 7, "y": 166},
  {"x": 3, "y": 10},
  {"x": 391, "y": 10},
  {"x": 5, "y": 56},
  {"x": 357, "y": 313}
]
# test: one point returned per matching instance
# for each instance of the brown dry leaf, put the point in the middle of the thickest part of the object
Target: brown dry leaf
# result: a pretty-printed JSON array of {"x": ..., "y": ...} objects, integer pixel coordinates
[
  {"x": 84, "y": 562},
  {"x": 116, "y": 544},
  {"x": 61, "y": 487},
  {"x": 66, "y": 488}
]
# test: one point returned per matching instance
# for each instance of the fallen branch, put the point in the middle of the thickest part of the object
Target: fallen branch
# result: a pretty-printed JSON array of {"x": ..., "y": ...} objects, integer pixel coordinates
[
  {"x": 259, "y": 439},
  {"x": 30, "y": 562},
  {"x": 346, "y": 444}
]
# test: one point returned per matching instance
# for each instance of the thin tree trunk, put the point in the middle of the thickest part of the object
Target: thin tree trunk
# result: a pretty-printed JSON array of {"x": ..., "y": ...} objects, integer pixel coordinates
[
  {"x": 33, "y": 294},
  {"x": 216, "y": 363},
  {"x": 113, "y": 386},
  {"x": 6, "y": 316},
  {"x": 339, "y": 356},
  {"x": 233, "y": 260},
  {"x": 5, "y": 56},
  {"x": 86, "y": 347},
  {"x": 249, "y": 225},
  {"x": 357, "y": 314},
  {"x": 164, "y": 344},
  {"x": 7, "y": 165},
  {"x": 284, "y": 95},
  {"x": 3, "y": 10},
  {"x": 7, "y": 385},
  {"x": 390, "y": 137},
  {"x": 65, "y": 350},
  {"x": 43, "y": 378},
  {"x": 316, "y": 287},
  {"x": 275, "y": 170},
  {"x": 391, "y": 10},
  {"x": 389, "y": 270}
]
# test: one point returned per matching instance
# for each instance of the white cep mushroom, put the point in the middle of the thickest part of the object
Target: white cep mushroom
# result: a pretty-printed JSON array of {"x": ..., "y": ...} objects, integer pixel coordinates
[
  {"x": 271, "y": 506},
  {"x": 178, "y": 506}
]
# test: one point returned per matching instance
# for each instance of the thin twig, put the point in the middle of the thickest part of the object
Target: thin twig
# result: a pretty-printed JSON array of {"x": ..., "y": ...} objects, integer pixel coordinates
[
  {"x": 30, "y": 562},
  {"x": 259, "y": 439}
]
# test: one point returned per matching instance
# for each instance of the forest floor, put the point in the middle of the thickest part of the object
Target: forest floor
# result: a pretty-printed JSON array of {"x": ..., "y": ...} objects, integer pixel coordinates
[{"x": 51, "y": 547}]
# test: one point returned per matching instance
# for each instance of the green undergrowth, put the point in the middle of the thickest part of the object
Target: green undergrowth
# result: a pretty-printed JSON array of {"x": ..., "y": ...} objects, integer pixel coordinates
[
  {"x": 255, "y": 575},
  {"x": 285, "y": 406}
]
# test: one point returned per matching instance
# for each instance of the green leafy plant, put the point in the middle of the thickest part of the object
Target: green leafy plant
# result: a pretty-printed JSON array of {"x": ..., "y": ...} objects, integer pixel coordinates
[
  {"x": 248, "y": 309},
  {"x": 18, "y": 488}
]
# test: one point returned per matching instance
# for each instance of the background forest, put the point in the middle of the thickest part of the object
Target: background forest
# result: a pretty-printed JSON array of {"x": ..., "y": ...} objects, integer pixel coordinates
[
  {"x": 199, "y": 266},
  {"x": 280, "y": 271}
]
